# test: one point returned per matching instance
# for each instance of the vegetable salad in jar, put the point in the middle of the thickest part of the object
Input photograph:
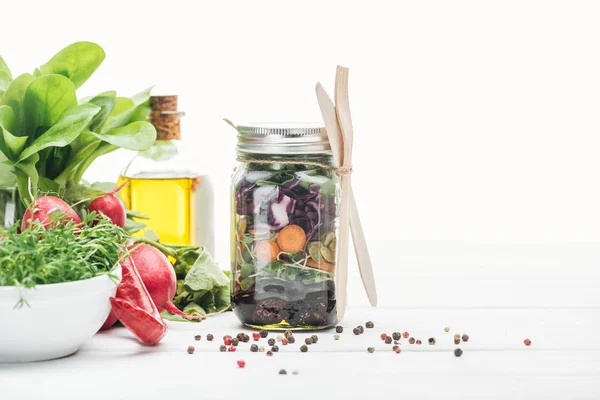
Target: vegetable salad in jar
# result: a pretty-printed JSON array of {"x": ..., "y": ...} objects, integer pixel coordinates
[{"x": 285, "y": 210}]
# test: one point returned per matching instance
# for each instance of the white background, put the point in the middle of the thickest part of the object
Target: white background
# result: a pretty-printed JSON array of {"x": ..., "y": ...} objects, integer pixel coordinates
[{"x": 474, "y": 120}]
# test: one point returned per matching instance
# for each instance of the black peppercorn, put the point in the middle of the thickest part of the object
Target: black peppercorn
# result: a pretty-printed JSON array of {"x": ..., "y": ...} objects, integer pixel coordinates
[
  {"x": 190, "y": 350},
  {"x": 361, "y": 329},
  {"x": 396, "y": 335},
  {"x": 388, "y": 340},
  {"x": 245, "y": 338},
  {"x": 240, "y": 336},
  {"x": 223, "y": 348},
  {"x": 465, "y": 338},
  {"x": 210, "y": 337},
  {"x": 356, "y": 331},
  {"x": 371, "y": 349},
  {"x": 308, "y": 340},
  {"x": 370, "y": 324},
  {"x": 254, "y": 348},
  {"x": 418, "y": 341},
  {"x": 458, "y": 352},
  {"x": 235, "y": 341},
  {"x": 271, "y": 342},
  {"x": 314, "y": 338},
  {"x": 339, "y": 329},
  {"x": 197, "y": 337},
  {"x": 282, "y": 372},
  {"x": 304, "y": 348},
  {"x": 275, "y": 348},
  {"x": 411, "y": 340},
  {"x": 288, "y": 334},
  {"x": 431, "y": 340},
  {"x": 291, "y": 339},
  {"x": 263, "y": 334},
  {"x": 269, "y": 353},
  {"x": 456, "y": 341}
]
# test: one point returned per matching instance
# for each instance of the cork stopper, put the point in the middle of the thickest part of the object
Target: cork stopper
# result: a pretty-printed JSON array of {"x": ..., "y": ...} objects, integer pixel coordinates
[{"x": 165, "y": 117}]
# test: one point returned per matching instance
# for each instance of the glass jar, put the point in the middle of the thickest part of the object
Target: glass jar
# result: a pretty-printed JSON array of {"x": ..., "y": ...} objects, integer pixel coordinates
[{"x": 285, "y": 201}]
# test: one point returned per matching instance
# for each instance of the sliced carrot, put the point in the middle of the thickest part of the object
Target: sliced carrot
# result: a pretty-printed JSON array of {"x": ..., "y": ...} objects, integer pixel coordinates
[
  {"x": 291, "y": 239},
  {"x": 323, "y": 266},
  {"x": 266, "y": 250}
]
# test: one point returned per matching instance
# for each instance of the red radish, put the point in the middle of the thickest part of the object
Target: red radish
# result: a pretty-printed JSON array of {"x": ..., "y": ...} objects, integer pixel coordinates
[
  {"x": 111, "y": 206},
  {"x": 159, "y": 277},
  {"x": 43, "y": 207}
]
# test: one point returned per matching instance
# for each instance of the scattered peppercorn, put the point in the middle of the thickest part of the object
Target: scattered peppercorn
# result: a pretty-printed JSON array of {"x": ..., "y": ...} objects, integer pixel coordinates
[
  {"x": 191, "y": 350},
  {"x": 231, "y": 348},
  {"x": 405, "y": 335},
  {"x": 282, "y": 372},
  {"x": 431, "y": 340},
  {"x": 261, "y": 349},
  {"x": 291, "y": 340},
  {"x": 314, "y": 338},
  {"x": 241, "y": 363},
  {"x": 396, "y": 342},
  {"x": 256, "y": 336},
  {"x": 370, "y": 324},
  {"x": 263, "y": 334},
  {"x": 388, "y": 340},
  {"x": 304, "y": 348},
  {"x": 269, "y": 353},
  {"x": 294, "y": 372},
  {"x": 446, "y": 329},
  {"x": 356, "y": 331},
  {"x": 254, "y": 348},
  {"x": 418, "y": 341},
  {"x": 395, "y": 347},
  {"x": 226, "y": 336},
  {"x": 396, "y": 335},
  {"x": 371, "y": 349},
  {"x": 284, "y": 342},
  {"x": 197, "y": 337},
  {"x": 361, "y": 328},
  {"x": 288, "y": 333},
  {"x": 383, "y": 336},
  {"x": 465, "y": 338},
  {"x": 239, "y": 336},
  {"x": 227, "y": 341},
  {"x": 210, "y": 337},
  {"x": 336, "y": 337},
  {"x": 527, "y": 342},
  {"x": 457, "y": 337},
  {"x": 246, "y": 339},
  {"x": 456, "y": 341},
  {"x": 308, "y": 340},
  {"x": 235, "y": 341},
  {"x": 411, "y": 340},
  {"x": 458, "y": 352},
  {"x": 223, "y": 348},
  {"x": 339, "y": 329},
  {"x": 275, "y": 349},
  {"x": 398, "y": 350},
  {"x": 271, "y": 342}
]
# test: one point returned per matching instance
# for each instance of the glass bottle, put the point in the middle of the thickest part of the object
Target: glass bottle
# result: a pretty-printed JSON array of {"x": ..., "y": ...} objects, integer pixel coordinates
[
  {"x": 285, "y": 201},
  {"x": 166, "y": 186}
]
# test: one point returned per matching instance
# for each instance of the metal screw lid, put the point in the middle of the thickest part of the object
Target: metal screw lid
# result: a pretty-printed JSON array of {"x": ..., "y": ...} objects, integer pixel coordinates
[{"x": 283, "y": 138}]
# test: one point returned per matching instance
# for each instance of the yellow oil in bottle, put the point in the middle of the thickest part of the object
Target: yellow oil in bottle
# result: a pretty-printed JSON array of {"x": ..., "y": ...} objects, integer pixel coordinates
[{"x": 169, "y": 203}]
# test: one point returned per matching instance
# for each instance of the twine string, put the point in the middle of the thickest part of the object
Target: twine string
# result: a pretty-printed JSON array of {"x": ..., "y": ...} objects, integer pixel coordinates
[{"x": 339, "y": 171}]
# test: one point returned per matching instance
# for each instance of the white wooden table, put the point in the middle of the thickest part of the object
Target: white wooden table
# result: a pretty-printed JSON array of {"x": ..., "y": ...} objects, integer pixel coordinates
[{"x": 497, "y": 293}]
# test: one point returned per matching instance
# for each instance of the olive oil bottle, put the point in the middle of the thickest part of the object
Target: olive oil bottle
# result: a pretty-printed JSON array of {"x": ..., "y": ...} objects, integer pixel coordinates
[{"x": 164, "y": 185}]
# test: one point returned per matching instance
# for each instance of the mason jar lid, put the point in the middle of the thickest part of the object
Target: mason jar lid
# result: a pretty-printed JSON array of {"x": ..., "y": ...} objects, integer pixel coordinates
[{"x": 283, "y": 138}]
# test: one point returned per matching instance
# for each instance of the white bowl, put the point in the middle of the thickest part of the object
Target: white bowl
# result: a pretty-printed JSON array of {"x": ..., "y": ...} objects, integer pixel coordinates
[{"x": 59, "y": 319}]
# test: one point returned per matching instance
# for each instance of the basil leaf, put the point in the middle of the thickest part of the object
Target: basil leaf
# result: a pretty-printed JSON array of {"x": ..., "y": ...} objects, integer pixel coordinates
[{"x": 76, "y": 62}]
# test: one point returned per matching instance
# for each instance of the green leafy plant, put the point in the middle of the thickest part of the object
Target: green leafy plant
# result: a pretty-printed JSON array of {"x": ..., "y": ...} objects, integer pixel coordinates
[{"x": 49, "y": 138}]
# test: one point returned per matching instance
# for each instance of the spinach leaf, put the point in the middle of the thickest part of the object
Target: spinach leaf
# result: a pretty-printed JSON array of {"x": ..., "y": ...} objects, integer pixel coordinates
[
  {"x": 5, "y": 77},
  {"x": 223, "y": 297},
  {"x": 27, "y": 174},
  {"x": 204, "y": 275},
  {"x": 193, "y": 309},
  {"x": 10, "y": 145},
  {"x": 107, "y": 102},
  {"x": 14, "y": 99},
  {"x": 77, "y": 62},
  {"x": 136, "y": 136},
  {"x": 125, "y": 111},
  {"x": 46, "y": 100},
  {"x": 63, "y": 131}
]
